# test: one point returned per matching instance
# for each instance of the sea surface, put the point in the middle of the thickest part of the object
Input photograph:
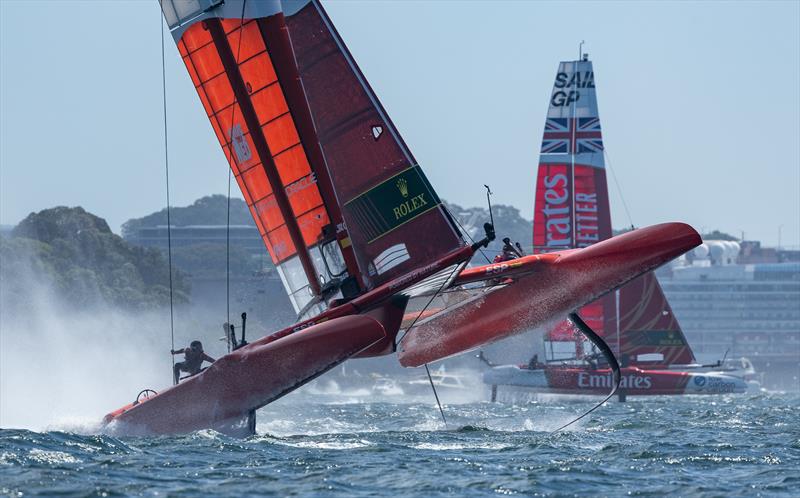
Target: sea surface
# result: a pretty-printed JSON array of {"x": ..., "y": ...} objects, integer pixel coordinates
[{"x": 360, "y": 445}]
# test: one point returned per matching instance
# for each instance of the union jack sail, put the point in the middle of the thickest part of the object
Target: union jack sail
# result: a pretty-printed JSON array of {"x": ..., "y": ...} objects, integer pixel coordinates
[{"x": 561, "y": 136}]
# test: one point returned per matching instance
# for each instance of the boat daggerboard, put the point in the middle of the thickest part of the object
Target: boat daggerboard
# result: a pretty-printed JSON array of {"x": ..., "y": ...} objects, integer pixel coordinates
[
  {"x": 339, "y": 201},
  {"x": 572, "y": 211},
  {"x": 571, "y": 202}
]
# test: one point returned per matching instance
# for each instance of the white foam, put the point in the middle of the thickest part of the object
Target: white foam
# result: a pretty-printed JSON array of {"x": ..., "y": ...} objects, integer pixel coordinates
[
  {"x": 485, "y": 445},
  {"x": 327, "y": 445},
  {"x": 51, "y": 457}
]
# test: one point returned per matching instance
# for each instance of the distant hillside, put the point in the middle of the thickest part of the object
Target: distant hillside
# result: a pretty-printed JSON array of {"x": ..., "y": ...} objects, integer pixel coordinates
[
  {"x": 206, "y": 259},
  {"x": 74, "y": 255},
  {"x": 208, "y": 210}
]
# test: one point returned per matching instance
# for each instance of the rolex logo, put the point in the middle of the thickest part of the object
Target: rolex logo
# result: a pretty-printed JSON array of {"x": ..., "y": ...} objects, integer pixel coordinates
[{"x": 402, "y": 186}]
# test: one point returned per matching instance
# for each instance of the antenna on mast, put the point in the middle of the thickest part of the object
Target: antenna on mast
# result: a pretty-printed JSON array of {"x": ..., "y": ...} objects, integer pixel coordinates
[
  {"x": 489, "y": 201},
  {"x": 580, "y": 49},
  {"x": 487, "y": 227}
]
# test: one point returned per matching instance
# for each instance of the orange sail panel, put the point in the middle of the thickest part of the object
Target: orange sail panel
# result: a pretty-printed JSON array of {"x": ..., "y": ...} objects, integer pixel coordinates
[
  {"x": 386, "y": 200},
  {"x": 338, "y": 198},
  {"x": 238, "y": 85}
]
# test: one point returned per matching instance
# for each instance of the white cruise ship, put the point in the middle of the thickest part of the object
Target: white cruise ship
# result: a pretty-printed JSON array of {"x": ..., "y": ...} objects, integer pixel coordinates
[{"x": 732, "y": 298}]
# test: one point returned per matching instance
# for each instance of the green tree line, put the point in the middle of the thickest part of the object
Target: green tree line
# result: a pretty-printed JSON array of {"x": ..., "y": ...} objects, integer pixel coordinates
[{"x": 74, "y": 255}]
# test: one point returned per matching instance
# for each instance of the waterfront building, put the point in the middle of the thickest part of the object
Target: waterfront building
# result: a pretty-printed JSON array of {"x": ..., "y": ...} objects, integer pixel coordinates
[
  {"x": 244, "y": 236},
  {"x": 750, "y": 310},
  {"x": 259, "y": 293}
]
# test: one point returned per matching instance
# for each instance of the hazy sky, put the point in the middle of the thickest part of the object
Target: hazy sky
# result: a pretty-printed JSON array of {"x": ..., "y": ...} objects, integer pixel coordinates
[{"x": 700, "y": 104}]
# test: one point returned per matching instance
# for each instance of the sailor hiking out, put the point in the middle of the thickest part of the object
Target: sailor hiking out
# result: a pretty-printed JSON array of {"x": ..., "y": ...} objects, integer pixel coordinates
[{"x": 193, "y": 358}]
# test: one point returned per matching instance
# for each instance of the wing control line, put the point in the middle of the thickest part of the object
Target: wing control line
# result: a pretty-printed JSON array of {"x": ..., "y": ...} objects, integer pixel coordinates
[{"x": 610, "y": 358}]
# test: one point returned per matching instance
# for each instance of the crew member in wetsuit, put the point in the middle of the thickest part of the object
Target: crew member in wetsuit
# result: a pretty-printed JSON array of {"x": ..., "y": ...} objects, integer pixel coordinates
[
  {"x": 193, "y": 358},
  {"x": 592, "y": 360},
  {"x": 509, "y": 252},
  {"x": 533, "y": 364}
]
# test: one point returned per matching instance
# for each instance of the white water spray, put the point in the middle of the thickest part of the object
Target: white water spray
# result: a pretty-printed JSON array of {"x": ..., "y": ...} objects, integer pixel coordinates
[{"x": 63, "y": 368}]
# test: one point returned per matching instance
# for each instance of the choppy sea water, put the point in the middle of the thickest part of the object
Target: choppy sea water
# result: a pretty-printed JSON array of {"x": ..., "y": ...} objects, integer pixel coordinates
[{"x": 360, "y": 446}]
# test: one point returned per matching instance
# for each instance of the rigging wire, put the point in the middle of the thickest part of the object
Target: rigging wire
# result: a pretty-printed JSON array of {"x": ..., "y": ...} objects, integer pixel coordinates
[
  {"x": 228, "y": 253},
  {"x": 436, "y": 395},
  {"x": 408, "y": 329},
  {"x": 619, "y": 190},
  {"x": 466, "y": 232},
  {"x": 228, "y": 210},
  {"x": 166, "y": 169},
  {"x": 228, "y": 262}
]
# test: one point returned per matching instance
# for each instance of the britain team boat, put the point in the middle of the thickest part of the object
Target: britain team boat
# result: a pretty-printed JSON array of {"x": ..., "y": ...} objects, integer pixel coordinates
[
  {"x": 357, "y": 234},
  {"x": 572, "y": 212}
]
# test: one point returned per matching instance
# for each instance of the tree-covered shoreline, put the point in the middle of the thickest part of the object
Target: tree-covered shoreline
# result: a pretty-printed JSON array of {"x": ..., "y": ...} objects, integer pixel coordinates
[{"x": 72, "y": 255}]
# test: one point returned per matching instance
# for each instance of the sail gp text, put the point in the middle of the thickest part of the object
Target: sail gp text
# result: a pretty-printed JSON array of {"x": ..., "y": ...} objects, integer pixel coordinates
[
  {"x": 569, "y": 85},
  {"x": 557, "y": 214}
]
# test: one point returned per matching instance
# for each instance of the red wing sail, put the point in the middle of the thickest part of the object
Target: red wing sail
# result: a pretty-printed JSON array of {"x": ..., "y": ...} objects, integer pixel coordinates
[
  {"x": 649, "y": 332},
  {"x": 237, "y": 81},
  {"x": 338, "y": 218},
  {"x": 572, "y": 211},
  {"x": 571, "y": 201},
  {"x": 387, "y": 203}
]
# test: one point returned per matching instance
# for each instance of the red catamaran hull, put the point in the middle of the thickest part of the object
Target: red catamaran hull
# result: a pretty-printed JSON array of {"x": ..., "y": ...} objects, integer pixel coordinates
[
  {"x": 538, "y": 288},
  {"x": 248, "y": 378},
  {"x": 547, "y": 286},
  {"x": 634, "y": 381},
  {"x": 324, "y": 171}
]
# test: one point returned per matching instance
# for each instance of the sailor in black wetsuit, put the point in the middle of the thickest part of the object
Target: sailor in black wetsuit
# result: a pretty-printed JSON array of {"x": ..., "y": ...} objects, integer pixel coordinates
[{"x": 193, "y": 358}]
